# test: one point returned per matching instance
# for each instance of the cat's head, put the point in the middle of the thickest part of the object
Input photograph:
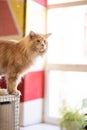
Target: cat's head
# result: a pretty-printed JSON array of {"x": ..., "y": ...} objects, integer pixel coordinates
[{"x": 39, "y": 42}]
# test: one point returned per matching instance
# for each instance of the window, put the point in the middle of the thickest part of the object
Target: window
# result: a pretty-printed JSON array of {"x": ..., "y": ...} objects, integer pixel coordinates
[
  {"x": 66, "y": 70},
  {"x": 68, "y": 40}
]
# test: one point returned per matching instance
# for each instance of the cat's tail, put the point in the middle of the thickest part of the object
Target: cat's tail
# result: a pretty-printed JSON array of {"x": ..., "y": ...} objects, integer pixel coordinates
[{"x": 3, "y": 91}]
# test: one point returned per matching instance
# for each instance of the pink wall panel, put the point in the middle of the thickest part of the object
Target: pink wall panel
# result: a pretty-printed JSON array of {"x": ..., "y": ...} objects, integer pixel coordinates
[
  {"x": 42, "y": 2},
  {"x": 34, "y": 85}
]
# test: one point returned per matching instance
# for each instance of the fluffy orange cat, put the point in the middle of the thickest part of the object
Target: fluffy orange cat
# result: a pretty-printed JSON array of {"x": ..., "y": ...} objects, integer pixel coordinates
[{"x": 17, "y": 57}]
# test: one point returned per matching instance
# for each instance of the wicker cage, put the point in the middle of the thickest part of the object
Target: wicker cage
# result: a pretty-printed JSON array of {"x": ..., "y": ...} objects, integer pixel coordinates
[{"x": 9, "y": 112}]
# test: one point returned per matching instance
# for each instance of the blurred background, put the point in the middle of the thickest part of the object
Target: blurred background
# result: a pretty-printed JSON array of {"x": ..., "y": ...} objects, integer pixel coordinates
[{"x": 60, "y": 77}]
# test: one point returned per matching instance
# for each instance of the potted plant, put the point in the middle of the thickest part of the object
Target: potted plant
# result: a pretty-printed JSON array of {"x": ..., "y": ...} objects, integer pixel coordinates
[{"x": 72, "y": 119}]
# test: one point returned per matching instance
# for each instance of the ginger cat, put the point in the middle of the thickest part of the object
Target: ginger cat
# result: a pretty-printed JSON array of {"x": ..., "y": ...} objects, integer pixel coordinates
[{"x": 17, "y": 57}]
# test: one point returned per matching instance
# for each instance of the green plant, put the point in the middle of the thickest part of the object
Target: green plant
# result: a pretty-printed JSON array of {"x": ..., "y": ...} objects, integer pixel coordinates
[{"x": 72, "y": 119}]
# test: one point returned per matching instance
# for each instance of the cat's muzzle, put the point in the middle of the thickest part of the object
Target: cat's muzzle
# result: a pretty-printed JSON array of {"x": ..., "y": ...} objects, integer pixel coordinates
[{"x": 43, "y": 48}]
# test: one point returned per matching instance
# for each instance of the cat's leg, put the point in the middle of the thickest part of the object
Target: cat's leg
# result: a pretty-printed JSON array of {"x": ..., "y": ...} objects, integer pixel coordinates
[{"x": 12, "y": 83}]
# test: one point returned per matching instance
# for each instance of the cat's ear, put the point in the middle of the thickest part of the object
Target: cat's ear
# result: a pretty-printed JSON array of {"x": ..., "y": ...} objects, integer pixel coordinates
[
  {"x": 31, "y": 34},
  {"x": 47, "y": 35}
]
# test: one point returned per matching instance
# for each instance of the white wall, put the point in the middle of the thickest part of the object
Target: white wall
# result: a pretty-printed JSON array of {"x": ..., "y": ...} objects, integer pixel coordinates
[{"x": 31, "y": 111}]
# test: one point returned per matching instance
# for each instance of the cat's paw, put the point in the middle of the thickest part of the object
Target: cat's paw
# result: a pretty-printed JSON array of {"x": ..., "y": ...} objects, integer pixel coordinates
[{"x": 16, "y": 92}]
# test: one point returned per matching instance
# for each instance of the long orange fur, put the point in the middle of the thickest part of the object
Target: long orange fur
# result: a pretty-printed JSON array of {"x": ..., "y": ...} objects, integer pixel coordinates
[{"x": 17, "y": 57}]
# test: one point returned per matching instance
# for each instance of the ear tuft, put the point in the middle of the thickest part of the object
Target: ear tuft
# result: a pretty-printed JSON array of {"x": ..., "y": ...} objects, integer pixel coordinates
[
  {"x": 31, "y": 34},
  {"x": 47, "y": 35}
]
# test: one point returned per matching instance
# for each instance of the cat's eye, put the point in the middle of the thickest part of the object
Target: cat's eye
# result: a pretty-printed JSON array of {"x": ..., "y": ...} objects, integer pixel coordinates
[
  {"x": 44, "y": 41},
  {"x": 38, "y": 40}
]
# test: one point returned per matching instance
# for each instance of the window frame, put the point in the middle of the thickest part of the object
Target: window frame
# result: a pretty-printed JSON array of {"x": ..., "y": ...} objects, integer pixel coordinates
[
  {"x": 63, "y": 67},
  {"x": 67, "y": 4}
]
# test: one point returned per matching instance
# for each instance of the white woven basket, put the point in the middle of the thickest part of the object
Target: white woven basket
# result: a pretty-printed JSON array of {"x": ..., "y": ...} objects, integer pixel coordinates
[{"x": 9, "y": 112}]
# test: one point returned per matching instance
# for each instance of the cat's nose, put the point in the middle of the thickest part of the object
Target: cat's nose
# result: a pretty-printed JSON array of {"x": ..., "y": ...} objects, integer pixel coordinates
[{"x": 42, "y": 44}]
